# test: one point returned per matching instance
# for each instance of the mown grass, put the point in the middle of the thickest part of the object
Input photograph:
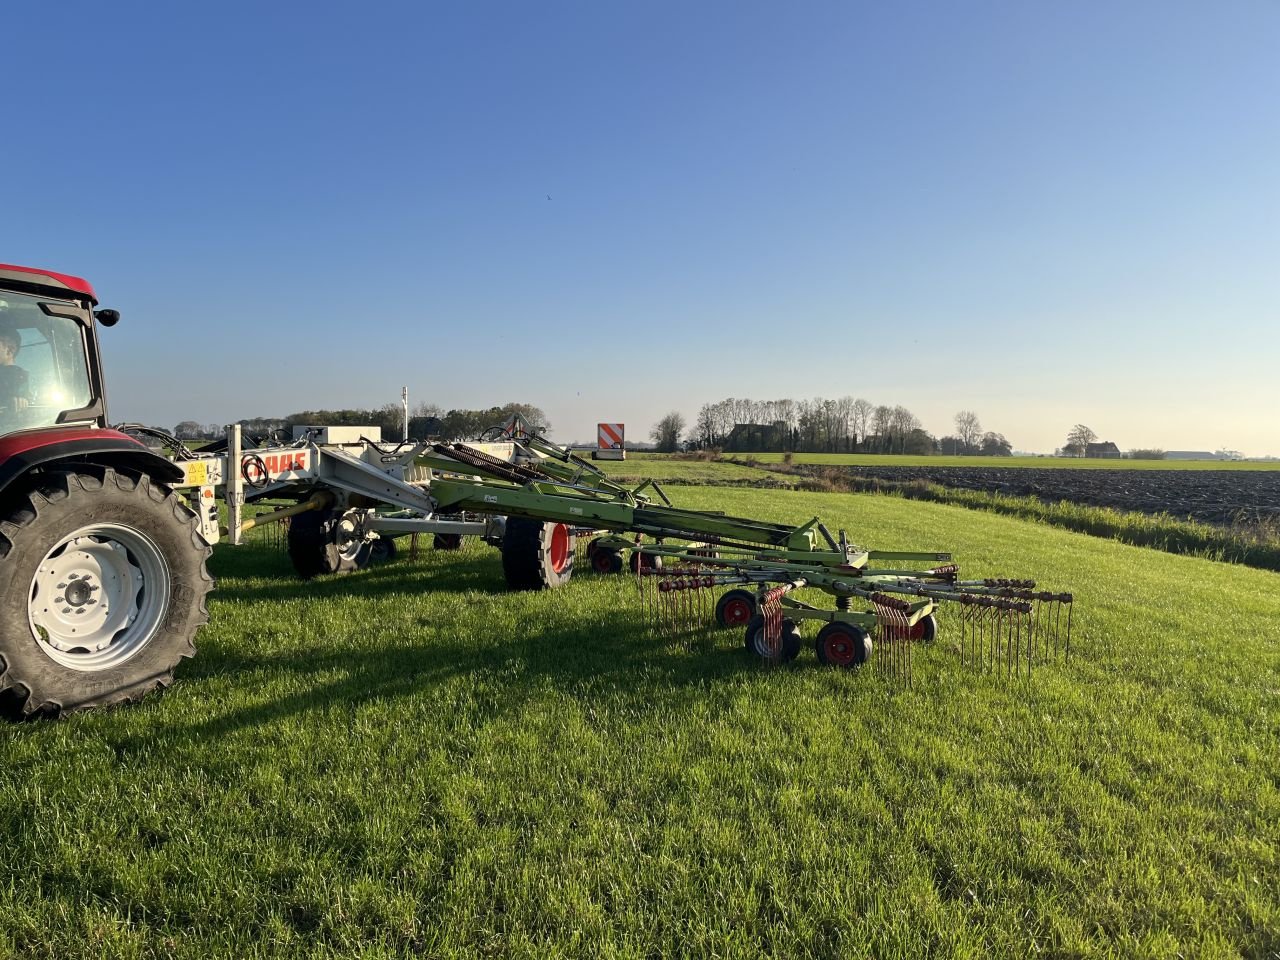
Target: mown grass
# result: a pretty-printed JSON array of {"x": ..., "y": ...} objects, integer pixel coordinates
[
  {"x": 1043, "y": 463},
  {"x": 411, "y": 762},
  {"x": 694, "y": 471}
]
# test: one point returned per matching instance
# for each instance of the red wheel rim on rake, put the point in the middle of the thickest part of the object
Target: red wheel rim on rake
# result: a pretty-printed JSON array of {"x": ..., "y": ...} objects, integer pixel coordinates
[
  {"x": 839, "y": 646},
  {"x": 737, "y": 612},
  {"x": 559, "y": 547}
]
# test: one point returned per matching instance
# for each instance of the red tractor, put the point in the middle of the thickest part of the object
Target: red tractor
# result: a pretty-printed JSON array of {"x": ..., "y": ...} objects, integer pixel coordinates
[{"x": 102, "y": 567}]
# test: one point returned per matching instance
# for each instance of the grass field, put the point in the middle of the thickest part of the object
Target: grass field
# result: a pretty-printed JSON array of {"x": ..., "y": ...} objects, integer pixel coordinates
[
  {"x": 1043, "y": 463},
  {"x": 667, "y": 469},
  {"x": 410, "y": 762}
]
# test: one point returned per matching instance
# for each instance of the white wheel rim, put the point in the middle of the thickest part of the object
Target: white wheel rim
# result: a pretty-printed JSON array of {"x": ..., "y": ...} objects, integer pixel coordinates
[
  {"x": 348, "y": 538},
  {"x": 98, "y": 597}
]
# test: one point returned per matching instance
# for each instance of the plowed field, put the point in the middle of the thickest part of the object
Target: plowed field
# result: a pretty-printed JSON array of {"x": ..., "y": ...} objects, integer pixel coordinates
[{"x": 1210, "y": 496}]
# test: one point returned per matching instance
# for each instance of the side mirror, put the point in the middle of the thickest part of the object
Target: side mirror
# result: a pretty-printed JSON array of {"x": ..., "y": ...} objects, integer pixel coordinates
[{"x": 108, "y": 318}]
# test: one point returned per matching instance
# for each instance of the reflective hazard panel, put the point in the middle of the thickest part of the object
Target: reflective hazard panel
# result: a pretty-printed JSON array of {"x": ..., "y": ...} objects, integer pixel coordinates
[{"x": 609, "y": 436}]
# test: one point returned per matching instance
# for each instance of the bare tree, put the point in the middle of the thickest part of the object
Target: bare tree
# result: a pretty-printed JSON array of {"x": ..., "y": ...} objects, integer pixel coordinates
[
  {"x": 1078, "y": 439},
  {"x": 902, "y": 424},
  {"x": 666, "y": 432},
  {"x": 881, "y": 423},
  {"x": 968, "y": 429},
  {"x": 425, "y": 409},
  {"x": 861, "y": 419}
]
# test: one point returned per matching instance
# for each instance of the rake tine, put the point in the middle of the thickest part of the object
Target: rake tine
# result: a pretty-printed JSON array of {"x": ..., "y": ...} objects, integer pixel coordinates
[
  {"x": 1068, "y": 654},
  {"x": 904, "y": 632},
  {"x": 1011, "y": 649},
  {"x": 1030, "y": 644}
]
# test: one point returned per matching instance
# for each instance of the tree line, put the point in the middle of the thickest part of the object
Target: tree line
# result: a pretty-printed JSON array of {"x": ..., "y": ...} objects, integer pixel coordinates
[
  {"x": 843, "y": 425},
  {"x": 426, "y": 420}
]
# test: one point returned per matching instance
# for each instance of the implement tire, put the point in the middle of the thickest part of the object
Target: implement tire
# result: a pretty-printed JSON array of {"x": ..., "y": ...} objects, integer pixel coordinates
[
  {"x": 537, "y": 555},
  {"x": 102, "y": 590},
  {"x": 319, "y": 545}
]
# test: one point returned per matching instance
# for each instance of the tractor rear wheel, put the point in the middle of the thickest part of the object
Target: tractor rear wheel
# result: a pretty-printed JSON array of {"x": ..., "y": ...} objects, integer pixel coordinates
[
  {"x": 102, "y": 590},
  {"x": 537, "y": 555},
  {"x": 788, "y": 647},
  {"x": 842, "y": 645},
  {"x": 322, "y": 542}
]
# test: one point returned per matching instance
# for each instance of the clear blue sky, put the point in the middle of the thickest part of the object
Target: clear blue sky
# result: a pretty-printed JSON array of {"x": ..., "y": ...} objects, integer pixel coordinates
[{"x": 1043, "y": 212}]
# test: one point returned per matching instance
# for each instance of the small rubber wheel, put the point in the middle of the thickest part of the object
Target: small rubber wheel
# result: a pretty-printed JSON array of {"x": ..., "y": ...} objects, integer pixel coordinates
[
  {"x": 842, "y": 645},
  {"x": 326, "y": 542},
  {"x": 382, "y": 550},
  {"x": 447, "y": 541},
  {"x": 788, "y": 646},
  {"x": 643, "y": 561},
  {"x": 735, "y": 608},
  {"x": 606, "y": 560},
  {"x": 926, "y": 629}
]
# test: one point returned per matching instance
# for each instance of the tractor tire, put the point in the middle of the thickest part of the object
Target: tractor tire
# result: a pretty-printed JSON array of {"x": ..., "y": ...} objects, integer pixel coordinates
[
  {"x": 842, "y": 645},
  {"x": 317, "y": 545},
  {"x": 447, "y": 541},
  {"x": 537, "y": 555},
  {"x": 102, "y": 591},
  {"x": 788, "y": 647}
]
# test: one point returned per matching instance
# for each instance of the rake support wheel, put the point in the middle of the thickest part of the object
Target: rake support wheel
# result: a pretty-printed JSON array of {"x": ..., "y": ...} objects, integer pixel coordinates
[
  {"x": 102, "y": 590},
  {"x": 605, "y": 560},
  {"x": 537, "y": 555},
  {"x": 788, "y": 645},
  {"x": 842, "y": 645},
  {"x": 643, "y": 561},
  {"x": 735, "y": 608},
  {"x": 926, "y": 629}
]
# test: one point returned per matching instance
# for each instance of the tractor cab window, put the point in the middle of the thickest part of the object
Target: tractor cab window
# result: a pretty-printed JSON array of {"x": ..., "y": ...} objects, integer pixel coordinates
[{"x": 43, "y": 364}]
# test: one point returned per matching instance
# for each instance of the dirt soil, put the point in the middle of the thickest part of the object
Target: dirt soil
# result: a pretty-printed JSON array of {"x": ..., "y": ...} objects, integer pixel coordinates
[{"x": 1210, "y": 496}]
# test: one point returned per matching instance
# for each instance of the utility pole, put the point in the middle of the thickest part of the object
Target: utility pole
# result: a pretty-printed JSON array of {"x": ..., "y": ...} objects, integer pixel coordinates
[{"x": 404, "y": 402}]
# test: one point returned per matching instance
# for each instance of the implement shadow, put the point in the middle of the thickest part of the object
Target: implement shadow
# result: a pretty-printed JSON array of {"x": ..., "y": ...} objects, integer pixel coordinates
[{"x": 611, "y": 654}]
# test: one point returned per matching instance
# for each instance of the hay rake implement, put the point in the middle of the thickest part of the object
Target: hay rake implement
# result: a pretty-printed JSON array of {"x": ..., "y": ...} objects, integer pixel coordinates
[
  {"x": 694, "y": 568},
  {"x": 758, "y": 572}
]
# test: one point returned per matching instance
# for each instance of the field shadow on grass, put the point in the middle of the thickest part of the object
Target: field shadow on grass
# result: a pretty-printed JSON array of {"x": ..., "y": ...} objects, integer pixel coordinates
[{"x": 650, "y": 676}]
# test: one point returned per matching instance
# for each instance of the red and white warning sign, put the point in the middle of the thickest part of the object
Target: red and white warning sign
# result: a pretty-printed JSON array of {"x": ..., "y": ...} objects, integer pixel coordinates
[{"x": 609, "y": 436}]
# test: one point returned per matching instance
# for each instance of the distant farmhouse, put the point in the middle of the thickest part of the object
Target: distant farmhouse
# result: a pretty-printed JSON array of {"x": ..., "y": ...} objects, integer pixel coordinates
[{"x": 1102, "y": 451}]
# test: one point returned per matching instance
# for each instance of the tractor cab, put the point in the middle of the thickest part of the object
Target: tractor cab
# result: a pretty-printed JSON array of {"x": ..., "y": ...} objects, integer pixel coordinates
[{"x": 49, "y": 365}]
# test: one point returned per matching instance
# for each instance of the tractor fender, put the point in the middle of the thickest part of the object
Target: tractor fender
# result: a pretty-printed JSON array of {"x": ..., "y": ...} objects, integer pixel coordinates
[{"x": 21, "y": 453}]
